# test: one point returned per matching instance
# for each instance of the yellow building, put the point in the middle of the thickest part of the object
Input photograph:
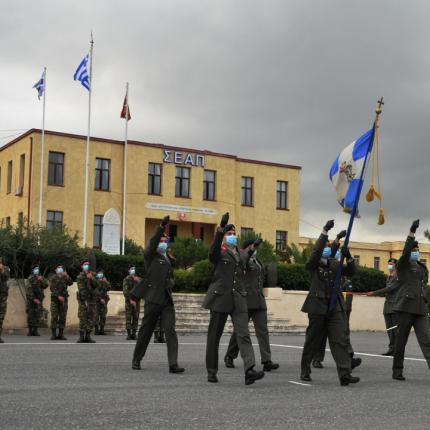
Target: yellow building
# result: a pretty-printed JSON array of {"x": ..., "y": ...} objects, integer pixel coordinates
[
  {"x": 194, "y": 187},
  {"x": 376, "y": 255}
]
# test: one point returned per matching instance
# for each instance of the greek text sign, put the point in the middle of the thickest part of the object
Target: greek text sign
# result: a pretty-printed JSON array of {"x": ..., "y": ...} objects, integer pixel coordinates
[
  {"x": 182, "y": 209},
  {"x": 184, "y": 158}
]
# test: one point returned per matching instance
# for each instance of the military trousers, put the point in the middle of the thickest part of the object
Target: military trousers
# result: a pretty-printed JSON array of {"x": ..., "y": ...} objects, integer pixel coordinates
[
  {"x": 101, "y": 311},
  {"x": 151, "y": 314},
  {"x": 3, "y": 308},
  {"x": 34, "y": 312},
  {"x": 259, "y": 319},
  {"x": 58, "y": 313},
  {"x": 333, "y": 325},
  {"x": 132, "y": 315},
  {"x": 405, "y": 322},
  {"x": 86, "y": 315},
  {"x": 390, "y": 321},
  {"x": 216, "y": 327}
]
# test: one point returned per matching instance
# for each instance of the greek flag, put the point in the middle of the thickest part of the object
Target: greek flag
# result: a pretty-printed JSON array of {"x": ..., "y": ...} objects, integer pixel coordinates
[
  {"x": 81, "y": 73},
  {"x": 347, "y": 173},
  {"x": 40, "y": 86}
]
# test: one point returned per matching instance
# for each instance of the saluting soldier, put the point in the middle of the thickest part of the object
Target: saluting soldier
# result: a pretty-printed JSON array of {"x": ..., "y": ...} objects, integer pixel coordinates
[
  {"x": 34, "y": 291},
  {"x": 411, "y": 303},
  {"x": 58, "y": 283},
  {"x": 257, "y": 310},
  {"x": 87, "y": 297},
  {"x": 102, "y": 303},
  {"x": 132, "y": 307},
  {"x": 4, "y": 292},
  {"x": 156, "y": 290},
  {"x": 322, "y": 319},
  {"x": 389, "y": 292},
  {"x": 226, "y": 296}
]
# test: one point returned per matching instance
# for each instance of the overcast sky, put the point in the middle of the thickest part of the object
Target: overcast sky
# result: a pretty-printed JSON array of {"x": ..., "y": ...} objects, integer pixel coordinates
[{"x": 277, "y": 80}]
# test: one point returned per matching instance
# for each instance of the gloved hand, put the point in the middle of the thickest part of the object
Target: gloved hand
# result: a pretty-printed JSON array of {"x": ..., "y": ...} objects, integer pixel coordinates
[
  {"x": 257, "y": 242},
  {"x": 165, "y": 221},
  {"x": 329, "y": 225},
  {"x": 224, "y": 220},
  {"x": 341, "y": 234},
  {"x": 345, "y": 252},
  {"x": 415, "y": 225}
]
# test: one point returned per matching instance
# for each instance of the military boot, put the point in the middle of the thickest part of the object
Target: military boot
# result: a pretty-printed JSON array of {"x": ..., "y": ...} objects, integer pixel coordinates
[
  {"x": 61, "y": 334},
  {"x": 81, "y": 337},
  {"x": 36, "y": 331},
  {"x": 133, "y": 334},
  {"x": 156, "y": 336},
  {"x": 88, "y": 338},
  {"x": 30, "y": 331},
  {"x": 252, "y": 375},
  {"x": 102, "y": 330},
  {"x": 161, "y": 338},
  {"x": 270, "y": 365},
  {"x": 129, "y": 335},
  {"x": 96, "y": 330},
  {"x": 54, "y": 334}
]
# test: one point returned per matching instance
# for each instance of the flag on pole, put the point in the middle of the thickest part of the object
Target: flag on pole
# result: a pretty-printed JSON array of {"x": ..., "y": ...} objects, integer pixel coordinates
[
  {"x": 40, "y": 86},
  {"x": 81, "y": 73},
  {"x": 346, "y": 171},
  {"x": 125, "y": 111}
]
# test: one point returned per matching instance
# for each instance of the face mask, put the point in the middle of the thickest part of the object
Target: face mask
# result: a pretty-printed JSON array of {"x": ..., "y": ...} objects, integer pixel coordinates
[
  {"x": 59, "y": 270},
  {"x": 36, "y": 271},
  {"x": 338, "y": 255},
  {"x": 86, "y": 267},
  {"x": 327, "y": 252},
  {"x": 390, "y": 267},
  {"x": 99, "y": 275},
  {"x": 231, "y": 240},
  {"x": 415, "y": 255},
  {"x": 132, "y": 272},
  {"x": 162, "y": 247}
]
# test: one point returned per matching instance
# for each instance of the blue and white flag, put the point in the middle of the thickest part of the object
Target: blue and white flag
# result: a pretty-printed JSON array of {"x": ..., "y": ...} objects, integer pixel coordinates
[
  {"x": 40, "y": 86},
  {"x": 82, "y": 74},
  {"x": 347, "y": 174}
]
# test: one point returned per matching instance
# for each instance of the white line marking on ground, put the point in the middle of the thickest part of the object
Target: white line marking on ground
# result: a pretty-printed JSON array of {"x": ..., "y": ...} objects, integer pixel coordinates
[{"x": 300, "y": 383}]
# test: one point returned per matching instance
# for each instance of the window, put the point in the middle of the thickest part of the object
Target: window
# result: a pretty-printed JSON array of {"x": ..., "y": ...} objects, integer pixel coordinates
[
  {"x": 246, "y": 231},
  {"x": 9, "y": 177},
  {"x": 54, "y": 219},
  {"x": 182, "y": 182},
  {"x": 376, "y": 261},
  {"x": 247, "y": 186},
  {"x": 21, "y": 171},
  {"x": 281, "y": 240},
  {"x": 209, "y": 185},
  {"x": 102, "y": 174},
  {"x": 154, "y": 178},
  {"x": 98, "y": 231},
  {"x": 281, "y": 194},
  {"x": 357, "y": 259},
  {"x": 56, "y": 168}
]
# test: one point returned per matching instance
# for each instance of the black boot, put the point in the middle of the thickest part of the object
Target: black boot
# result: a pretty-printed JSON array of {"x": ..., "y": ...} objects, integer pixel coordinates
[
  {"x": 252, "y": 375},
  {"x": 36, "y": 331},
  {"x": 176, "y": 369},
  {"x": 30, "y": 331},
  {"x": 229, "y": 362},
  {"x": 61, "y": 334},
  {"x": 102, "y": 330},
  {"x": 54, "y": 333},
  {"x": 317, "y": 364},
  {"x": 135, "y": 364},
  {"x": 270, "y": 365},
  {"x": 161, "y": 337},
  {"x": 212, "y": 377},
  {"x": 355, "y": 362},
  {"x": 88, "y": 338},
  {"x": 389, "y": 353},
  {"x": 156, "y": 336},
  {"x": 129, "y": 335},
  {"x": 96, "y": 330},
  {"x": 81, "y": 337},
  {"x": 398, "y": 374},
  {"x": 133, "y": 334},
  {"x": 349, "y": 379}
]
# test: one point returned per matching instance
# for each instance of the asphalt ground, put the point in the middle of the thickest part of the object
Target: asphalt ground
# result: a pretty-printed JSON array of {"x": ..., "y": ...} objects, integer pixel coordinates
[{"x": 63, "y": 385}]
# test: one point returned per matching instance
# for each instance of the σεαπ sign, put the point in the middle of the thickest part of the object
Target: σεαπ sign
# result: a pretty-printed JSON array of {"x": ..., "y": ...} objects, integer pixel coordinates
[{"x": 184, "y": 158}]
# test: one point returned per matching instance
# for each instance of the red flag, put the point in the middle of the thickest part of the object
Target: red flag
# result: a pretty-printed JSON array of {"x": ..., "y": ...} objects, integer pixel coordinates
[{"x": 125, "y": 108}]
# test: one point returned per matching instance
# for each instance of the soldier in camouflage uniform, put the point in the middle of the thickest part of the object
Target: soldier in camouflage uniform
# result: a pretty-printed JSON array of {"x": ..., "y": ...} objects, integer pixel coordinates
[
  {"x": 35, "y": 295},
  {"x": 4, "y": 291},
  {"x": 58, "y": 283},
  {"x": 87, "y": 297},
  {"x": 102, "y": 302},
  {"x": 132, "y": 308}
]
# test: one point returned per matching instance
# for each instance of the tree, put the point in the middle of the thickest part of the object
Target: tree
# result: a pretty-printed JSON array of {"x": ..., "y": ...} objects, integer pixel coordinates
[
  {"x": 188, "y": 251},
  {"x": 266, "y": 252},
  {"x": 297, "y": 256}
]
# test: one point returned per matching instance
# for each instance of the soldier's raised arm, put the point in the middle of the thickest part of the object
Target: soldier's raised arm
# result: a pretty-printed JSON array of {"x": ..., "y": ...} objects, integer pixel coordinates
[
  {"x": 317, "y": 252},
  {"x": 215, "y": 249},
  {"x": 409, "y": 246},
  {"x": 151, "y": 249}
]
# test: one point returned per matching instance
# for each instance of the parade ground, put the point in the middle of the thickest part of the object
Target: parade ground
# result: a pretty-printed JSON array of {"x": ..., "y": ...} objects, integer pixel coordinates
[{"x": 54, "y": 385}]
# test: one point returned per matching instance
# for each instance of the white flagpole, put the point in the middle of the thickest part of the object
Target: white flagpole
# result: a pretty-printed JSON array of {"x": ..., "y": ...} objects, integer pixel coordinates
[
  {"x": 124, "y": 193},
  {"x": 87, "y": 159},
  {"x": 42, "y": 151}
]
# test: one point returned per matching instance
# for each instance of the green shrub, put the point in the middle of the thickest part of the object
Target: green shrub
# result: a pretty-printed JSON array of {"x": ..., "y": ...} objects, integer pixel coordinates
[
  {"x": 266, "y": 252},
  {"x": 188, "y": 251},
  {"x": 183, "y": 281},
  {"x": 367, "y": 279},
  {"x": 293, "y": 277},
  {"x": 201, "y": 275}
]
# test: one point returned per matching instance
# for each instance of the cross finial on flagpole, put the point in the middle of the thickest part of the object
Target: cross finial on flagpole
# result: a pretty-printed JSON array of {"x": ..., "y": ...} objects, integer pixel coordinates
[{"x": 380, "y": 104}]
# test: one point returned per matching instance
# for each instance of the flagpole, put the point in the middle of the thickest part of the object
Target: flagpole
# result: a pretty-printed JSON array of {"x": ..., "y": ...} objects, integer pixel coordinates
[
  {"x": 124, "y": 193},
  {"x": 87, "y": 159},
  {"x": 336, "y": 288},
  {"x": 42, "y": 151}
]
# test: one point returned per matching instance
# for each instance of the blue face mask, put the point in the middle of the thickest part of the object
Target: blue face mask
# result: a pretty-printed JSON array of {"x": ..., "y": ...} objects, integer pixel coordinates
[
  {"x": 327, "y": 252},
  {"x": 415, "y": 255},
  {"x": 391, "y": 267},
  {"x": 338, "y": 255},
  {"x": 132, "y": 272},
  {"x": 36, "y": 271},
  {"x": 86, "y": 267},
  {"x": 100, "y": 275},
  {"x": 162, "y": 247},
  {"x": 231, "y": 240},
  {"x": 59, "y": 270}
]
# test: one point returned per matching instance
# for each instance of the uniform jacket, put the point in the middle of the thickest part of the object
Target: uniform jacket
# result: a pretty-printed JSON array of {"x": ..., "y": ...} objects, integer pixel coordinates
[
  {"x": 390, "y": 292},
  {"x": 58, "y": 284},
  {"x": 413, "y": 277},
  {"x": 254, "y": 281},
  {"x": 128, "y": 283},
  {"x": 156, "y": 287},
  {"x": 34, "y": 288},
  {"x": 227, "y": 291},
  {"x": 103, "y": 288},
  {"x": 87, "y": 288},
  {"x": 323, "y": 279},
  {"x": 4, "y": 277}
]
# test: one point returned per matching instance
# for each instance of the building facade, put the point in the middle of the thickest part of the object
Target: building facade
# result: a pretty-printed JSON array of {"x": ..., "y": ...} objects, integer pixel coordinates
[{"x": 194, "y": 187}]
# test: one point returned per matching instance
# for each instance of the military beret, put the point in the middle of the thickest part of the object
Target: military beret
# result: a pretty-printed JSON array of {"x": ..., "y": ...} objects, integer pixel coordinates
[
  {"x": 229, "y": 227},
  {"x": 392, "y": 260}
]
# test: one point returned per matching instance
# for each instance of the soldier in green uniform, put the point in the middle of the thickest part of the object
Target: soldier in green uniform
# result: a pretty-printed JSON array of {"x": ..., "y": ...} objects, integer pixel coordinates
[
  {"x": 411, "y": 303},
  {"x": 389, "y": 292},
  {"x": 226, "y": 296},
  {"x": 102, "y": 303},
  {"x": 257, "y": 310},
  {"x": 132, "y": 307},
  {"x": 87, "y": 296},
  {"x": 4, "y": 292},
  {"x": 35, "y": 295},
  {"x": 58, "y": 283},
  {"x": 322, "y": 319},
  {"x": 156, "y": 290}
]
